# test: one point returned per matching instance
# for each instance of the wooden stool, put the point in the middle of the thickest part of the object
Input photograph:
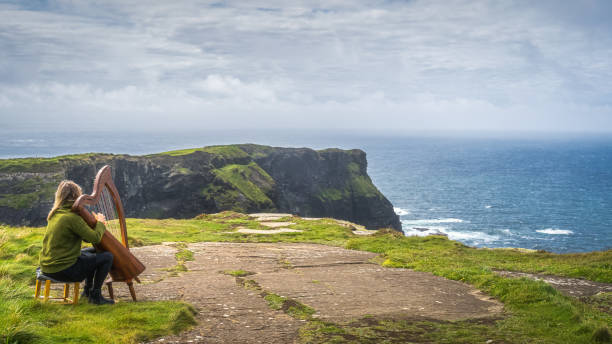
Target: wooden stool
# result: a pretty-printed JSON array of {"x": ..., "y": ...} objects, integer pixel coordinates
[{"x": 40, "y": 278}]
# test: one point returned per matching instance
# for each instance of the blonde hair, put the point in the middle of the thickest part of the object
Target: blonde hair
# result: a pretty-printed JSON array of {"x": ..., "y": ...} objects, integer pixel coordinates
[{"x": 67, "y": 190}]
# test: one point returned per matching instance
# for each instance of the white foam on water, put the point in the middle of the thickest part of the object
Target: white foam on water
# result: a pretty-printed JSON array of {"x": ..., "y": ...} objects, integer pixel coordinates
[
  {"x": 400, "y": 211},
  {"x": 423, "y": 229},
  {"x": 555, "y": 231},
  {"x": 467, "y": 236},
  {"x": 414, "y": 232},
  {"x": 488, "y": 206},
  {"x": 472, "y": 236},
  {"x": 425, "y": 222}
]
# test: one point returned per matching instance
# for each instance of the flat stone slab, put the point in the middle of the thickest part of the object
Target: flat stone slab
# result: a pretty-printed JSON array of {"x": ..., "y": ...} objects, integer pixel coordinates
[
  {"x": 351, "y": 225},
  {"x": 268, "y": 216},
  {"x": 365, "y": 232},
  {"x": 268, "y": 231},
  {"x": 339, "y": 284},
  {"x": 277, "y": 224}
]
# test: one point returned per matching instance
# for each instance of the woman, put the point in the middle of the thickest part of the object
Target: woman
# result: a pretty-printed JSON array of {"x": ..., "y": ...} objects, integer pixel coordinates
[{"x": 61, "y": 257}]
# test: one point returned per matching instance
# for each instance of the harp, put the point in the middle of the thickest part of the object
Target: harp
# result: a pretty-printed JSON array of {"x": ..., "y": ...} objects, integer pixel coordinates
[{"x": 105, "y": 200}]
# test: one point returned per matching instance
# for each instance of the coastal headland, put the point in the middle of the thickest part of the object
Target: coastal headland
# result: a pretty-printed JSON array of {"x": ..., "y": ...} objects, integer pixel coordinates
[{"x": 184, "y": 183}]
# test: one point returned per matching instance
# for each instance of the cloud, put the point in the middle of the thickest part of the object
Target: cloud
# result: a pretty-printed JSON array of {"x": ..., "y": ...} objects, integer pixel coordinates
[{"x": 418, "y": 65}]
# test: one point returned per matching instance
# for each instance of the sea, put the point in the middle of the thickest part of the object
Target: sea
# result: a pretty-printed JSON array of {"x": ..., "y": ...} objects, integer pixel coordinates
[{"x": 535, "y": 191}]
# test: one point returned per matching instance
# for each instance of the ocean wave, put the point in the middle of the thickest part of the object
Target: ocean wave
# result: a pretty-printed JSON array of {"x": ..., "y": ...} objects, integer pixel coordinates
[
  {"x": 400, "y": 211},
  {"x": 431, "y": 221},
  {"x": 488, "y": 206},
  {"x": 423, "y": 231},
  {"x": 469, "y": 236},
  {"x": 424, "y": 228},
  {"x": 555, "y": 231},
  {"x": 472, "y": 236}
]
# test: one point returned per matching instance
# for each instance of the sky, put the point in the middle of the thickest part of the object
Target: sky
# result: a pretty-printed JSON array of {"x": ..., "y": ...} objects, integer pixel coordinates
[{"x": 387, "y": 66}]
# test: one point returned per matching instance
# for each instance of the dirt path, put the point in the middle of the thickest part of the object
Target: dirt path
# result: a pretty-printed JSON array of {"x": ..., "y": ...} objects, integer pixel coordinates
[{"x": 339, "y": 284}]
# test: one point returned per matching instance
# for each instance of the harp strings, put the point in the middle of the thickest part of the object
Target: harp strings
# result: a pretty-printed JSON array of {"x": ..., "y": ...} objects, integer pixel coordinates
[
  {"x": 106, "y": 206},
  {"x": 112, "y": 218}
]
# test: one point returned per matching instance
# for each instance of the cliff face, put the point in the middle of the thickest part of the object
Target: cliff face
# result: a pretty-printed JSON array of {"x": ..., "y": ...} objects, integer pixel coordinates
[{"x": 182, "y": 184}]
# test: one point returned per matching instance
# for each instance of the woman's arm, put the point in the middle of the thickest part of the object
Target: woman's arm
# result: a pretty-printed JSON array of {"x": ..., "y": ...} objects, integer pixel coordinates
[{"x": 82, "y": 229}]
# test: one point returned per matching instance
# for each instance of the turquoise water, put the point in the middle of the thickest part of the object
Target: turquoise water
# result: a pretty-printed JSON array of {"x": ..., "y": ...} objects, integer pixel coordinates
[{"x": 553, "y": 194}]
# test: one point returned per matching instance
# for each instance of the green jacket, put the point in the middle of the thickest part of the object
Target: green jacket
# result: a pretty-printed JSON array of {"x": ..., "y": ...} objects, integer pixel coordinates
[{"x": 63, "y": 239}]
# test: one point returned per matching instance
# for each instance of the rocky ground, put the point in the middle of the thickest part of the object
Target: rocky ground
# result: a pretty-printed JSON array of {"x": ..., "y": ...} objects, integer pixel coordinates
[
  {"x": 341, "y": 285},
  {"x": 227, "y": 282}
]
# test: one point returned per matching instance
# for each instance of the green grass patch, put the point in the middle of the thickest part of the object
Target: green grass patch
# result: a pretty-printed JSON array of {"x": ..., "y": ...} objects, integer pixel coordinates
[
  {"x": 225, "y": 152},
  {"x": 25, "y": 320},
  {"x": 182, "y": 256},
  {"x": 43, "y": 165},
  {"x": 238, "y": 273},
  {"x": 292, "y": 307}
]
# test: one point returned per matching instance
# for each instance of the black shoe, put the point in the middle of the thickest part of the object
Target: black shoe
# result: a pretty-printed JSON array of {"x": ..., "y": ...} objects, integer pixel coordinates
[
  {"x": 86, "y": 292},
  {"x": 95, "y": 297}
]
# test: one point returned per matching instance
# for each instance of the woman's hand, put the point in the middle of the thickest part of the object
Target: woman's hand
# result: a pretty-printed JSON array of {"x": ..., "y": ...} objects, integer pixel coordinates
[{"x": 99, "y": 216}]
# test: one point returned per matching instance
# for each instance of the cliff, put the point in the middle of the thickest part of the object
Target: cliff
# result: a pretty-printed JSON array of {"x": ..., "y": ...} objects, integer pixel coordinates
[{"x": 181, "y": 184}]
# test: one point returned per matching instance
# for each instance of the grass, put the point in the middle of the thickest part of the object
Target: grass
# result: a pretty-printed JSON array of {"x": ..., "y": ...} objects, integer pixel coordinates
[
  {"x": 293, "y": 308},
  {"x": 535, "y": 312},
  {"x": 225, "y": 152},
  {"x": 277, "y": 302},
  {"x": 43, "y": 165},
  {"x": 237, "y": 273},
  {"x": 25, "y": 320},
  {"x": 221, "y": 228},
  {"x": 182, "y": 255}
]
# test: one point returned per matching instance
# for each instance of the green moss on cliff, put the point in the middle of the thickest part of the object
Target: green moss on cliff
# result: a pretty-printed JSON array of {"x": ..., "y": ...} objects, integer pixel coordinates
[
  {"x": 250, "y": 180},
  {"x": 356, "y": 185},
  {"x": 23, "y": 193},
  {"x": 331, "y": 194},
  {"x": 29, "y": 165},
  {"x": 361, "y": 184},
  {"x": 226, "y": 152},
  {"x": 41, "y": 165},
  {"x": 225, "y": 198}
]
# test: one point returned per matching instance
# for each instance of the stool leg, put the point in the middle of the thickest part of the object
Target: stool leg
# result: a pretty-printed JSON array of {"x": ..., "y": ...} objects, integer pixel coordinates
[
  {"x": 132, "y": 291},
  {"x": 75, "y": 299},
  {"x": 37, "y": 290},
  {"x": 47, "y": 290},
  {"x": 66, "y": 291}
]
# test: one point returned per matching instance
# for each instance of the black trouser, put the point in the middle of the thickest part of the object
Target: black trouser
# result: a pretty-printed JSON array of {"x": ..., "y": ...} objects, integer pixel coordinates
[{"x": 90, "y": 266}]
